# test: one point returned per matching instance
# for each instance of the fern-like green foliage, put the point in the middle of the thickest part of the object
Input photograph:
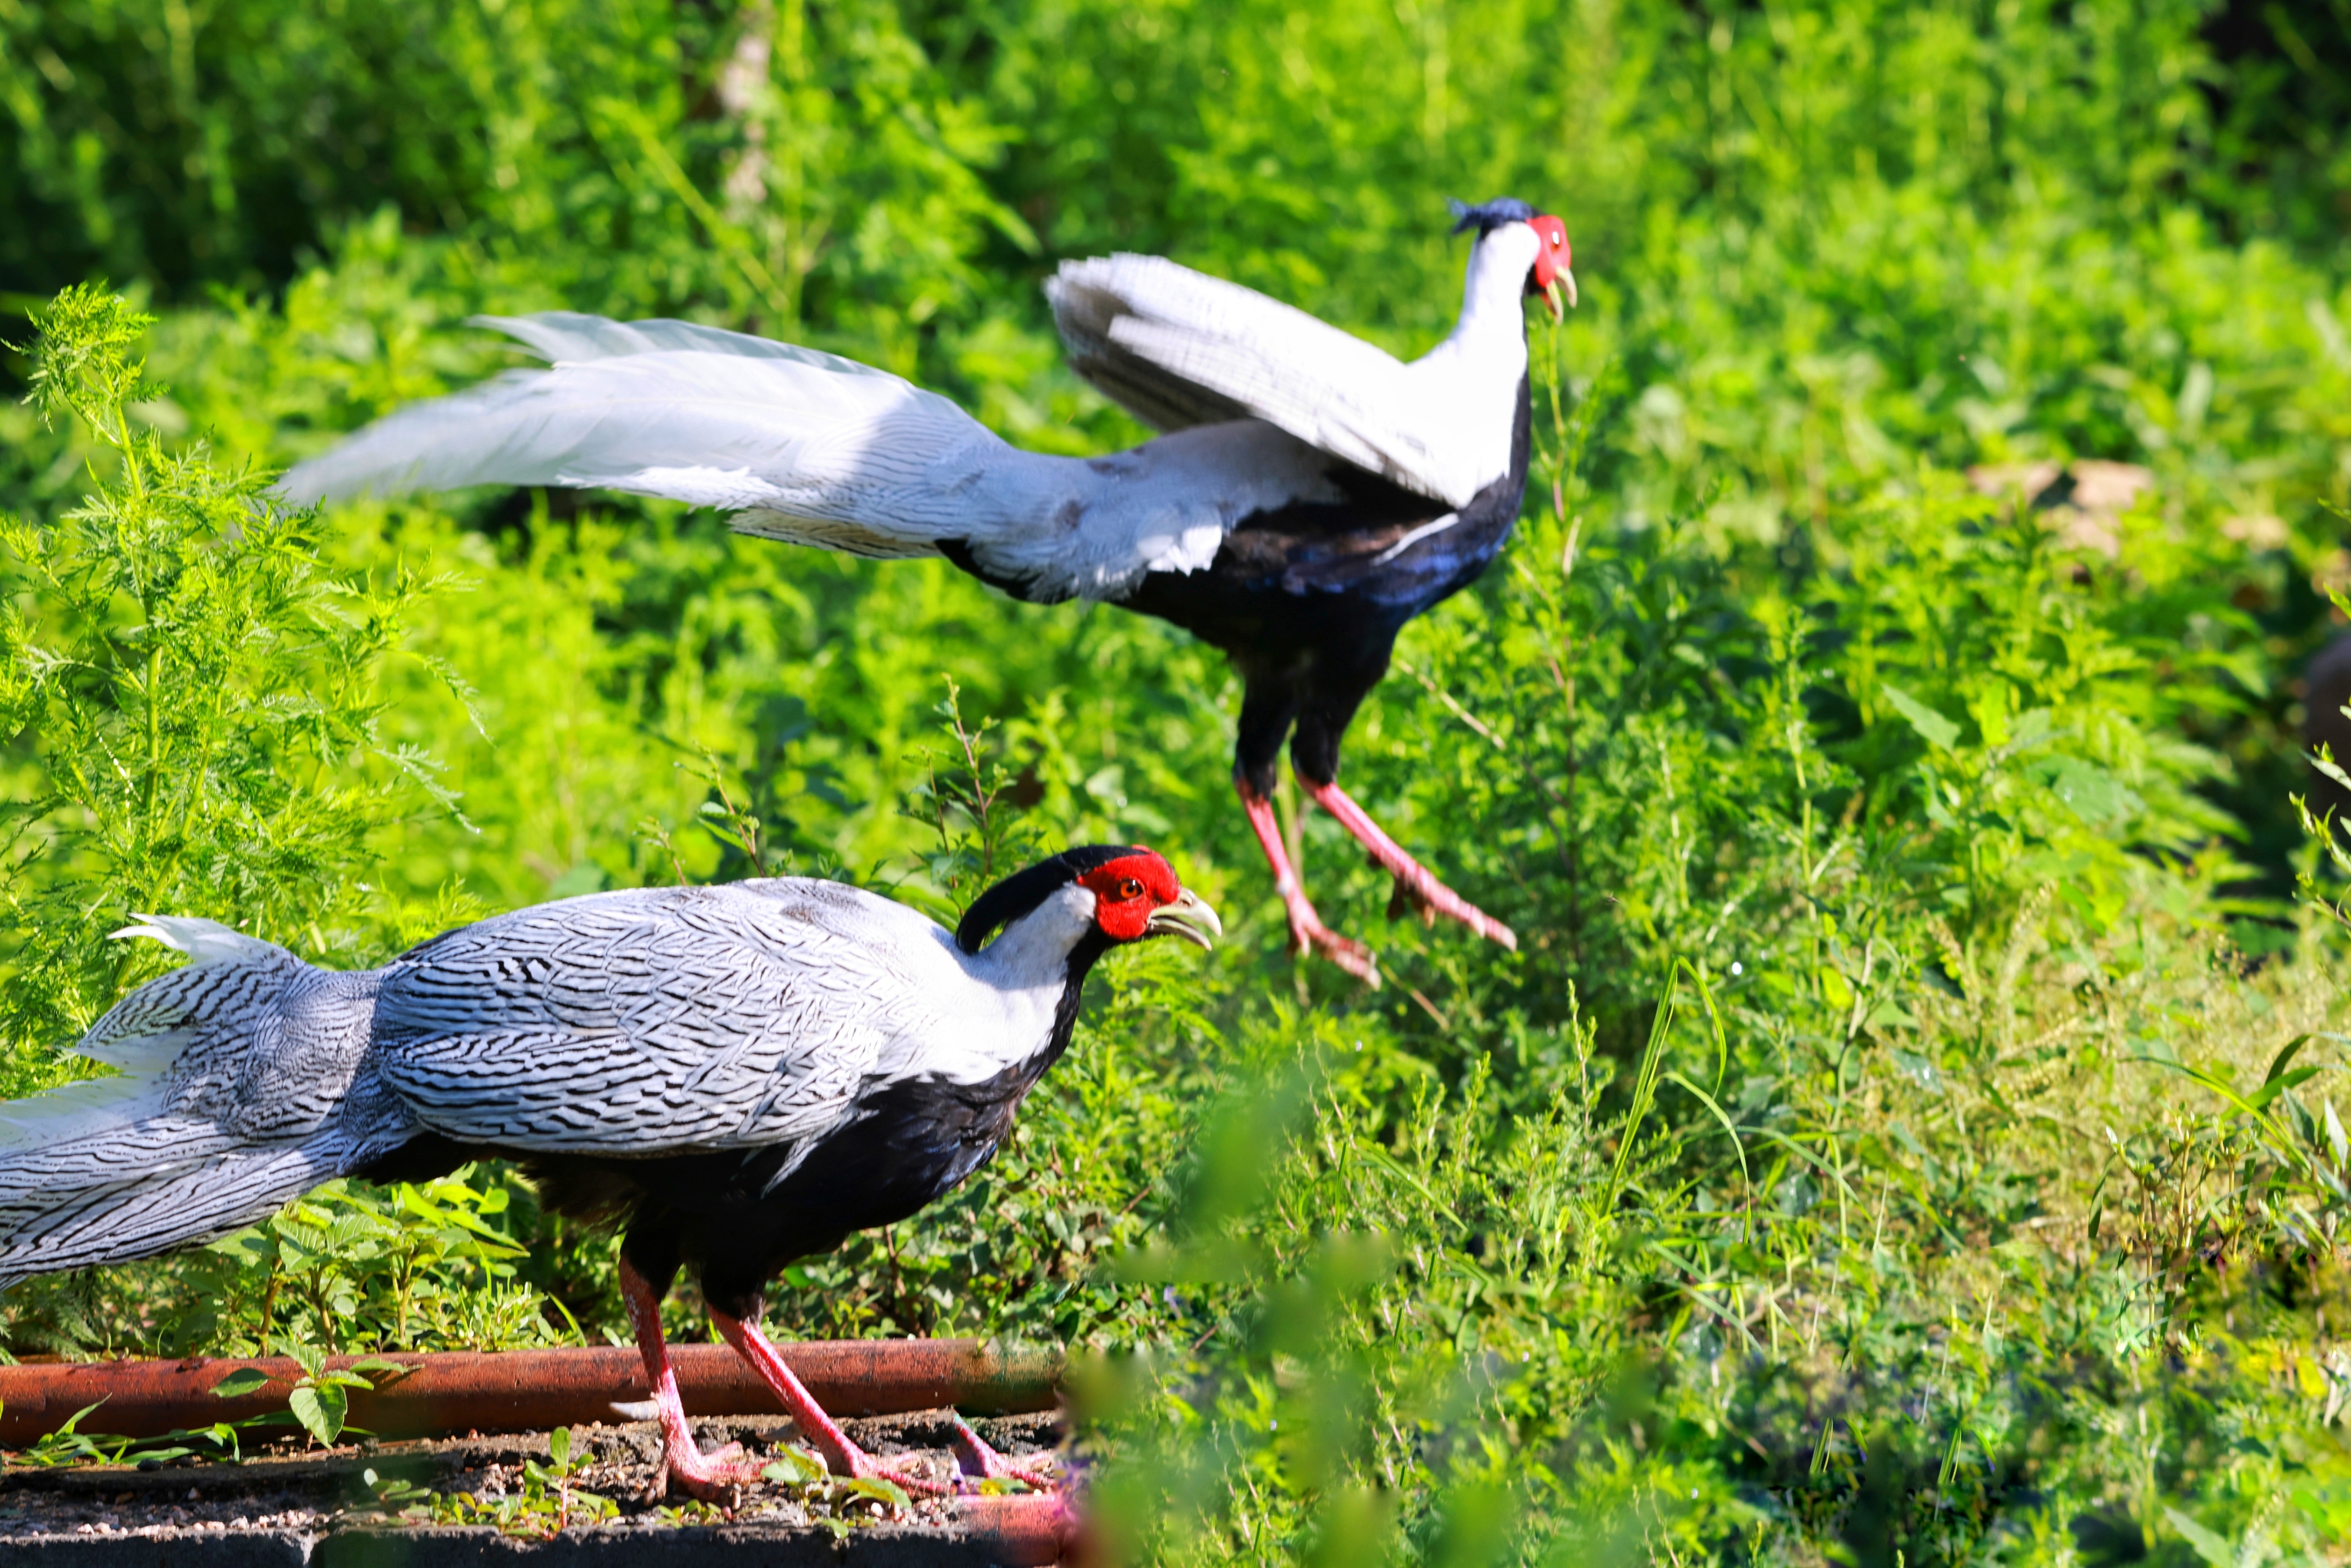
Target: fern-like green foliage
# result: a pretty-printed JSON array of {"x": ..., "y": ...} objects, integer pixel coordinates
[{"x": 192, "y": 702}]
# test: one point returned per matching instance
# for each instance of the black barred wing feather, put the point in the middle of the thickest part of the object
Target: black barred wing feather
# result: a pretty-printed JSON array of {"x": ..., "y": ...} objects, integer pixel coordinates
[{"x": 647, "y": 1022}]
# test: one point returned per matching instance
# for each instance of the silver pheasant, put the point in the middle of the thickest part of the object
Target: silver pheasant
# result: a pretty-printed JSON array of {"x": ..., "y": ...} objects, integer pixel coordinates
[{"x": 738, "y": 1075}]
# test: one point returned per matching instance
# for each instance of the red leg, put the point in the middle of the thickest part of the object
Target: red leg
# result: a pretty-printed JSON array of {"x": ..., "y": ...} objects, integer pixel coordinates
[
  {"x": 1413, "y": 880},
  {"x": 845, "y": 1457},
  {"x": 710, "y": 1476},
  {"x": 1308, "y": 934},
  {"x": 1307, "y": 931},
  {"x": 981, "y": 1460}
]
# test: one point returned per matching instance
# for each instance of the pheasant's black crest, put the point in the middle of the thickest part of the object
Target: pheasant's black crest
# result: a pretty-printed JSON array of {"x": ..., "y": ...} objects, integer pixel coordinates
[
  {"x": 1488, "y": 216},
  {"x": 1023, "y": 891}
]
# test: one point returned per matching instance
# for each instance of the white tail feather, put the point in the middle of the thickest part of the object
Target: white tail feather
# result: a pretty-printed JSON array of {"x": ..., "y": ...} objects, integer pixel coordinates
[
  {"x": 204, "y": 941},
  {"x": 144, "y": 1035},
  {"x": 568, "y": 337},
  {"x": 34, "y": 1176},
  {"x": 75, "y": 1111},
  {"x": 798, "y": 432},
  {"x": 179, "y": 1147},
  {"x": 814, "y": 449},
  {"x": 158, "y": 1211}
]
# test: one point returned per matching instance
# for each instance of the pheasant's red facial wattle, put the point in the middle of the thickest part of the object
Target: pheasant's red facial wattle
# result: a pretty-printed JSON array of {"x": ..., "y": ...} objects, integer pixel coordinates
[
  {"x": 1128, "y": 891},
  {"x": 1553, "y": 276},
  {"x": 1137, "y": 895}
]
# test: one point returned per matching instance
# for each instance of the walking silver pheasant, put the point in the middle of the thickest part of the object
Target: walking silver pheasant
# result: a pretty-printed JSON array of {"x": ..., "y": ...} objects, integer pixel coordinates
[{"x": 735, "y": 1076}]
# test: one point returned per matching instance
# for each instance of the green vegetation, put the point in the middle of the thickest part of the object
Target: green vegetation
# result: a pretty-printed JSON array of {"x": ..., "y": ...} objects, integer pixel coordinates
[
  {"x": 1912, "y": 1130},
  {"x": 547, "y": 1504}
]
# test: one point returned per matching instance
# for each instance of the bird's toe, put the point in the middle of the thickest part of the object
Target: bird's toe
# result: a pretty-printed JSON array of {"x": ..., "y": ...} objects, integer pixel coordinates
[
  {"x": 718, "y": 1477},
  {"x": 1424, "y": 895},
  {"x": 1407, "y": 899},
  {"x": 916, "y": 1486},
  {"x": 1344, "y": 951},
  {"x": 979, "y": 1463}
]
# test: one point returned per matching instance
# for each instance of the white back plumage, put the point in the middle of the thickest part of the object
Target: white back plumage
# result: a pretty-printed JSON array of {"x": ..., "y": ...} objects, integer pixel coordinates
[
  {"x": 1178, "y": 347},
  {"x": 659, "y": 1019}
]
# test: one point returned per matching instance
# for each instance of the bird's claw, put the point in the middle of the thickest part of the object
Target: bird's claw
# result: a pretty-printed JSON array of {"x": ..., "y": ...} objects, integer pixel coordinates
[
  {"x": 1311, "y": 935},
  {"x": 718, "y": 1477},
  {"x": 1419, "y": 892},
  {"x": 866, "y": 1468},
  {"x": 981, "y": 1462},
  {"x": 1407, "y": 899}
]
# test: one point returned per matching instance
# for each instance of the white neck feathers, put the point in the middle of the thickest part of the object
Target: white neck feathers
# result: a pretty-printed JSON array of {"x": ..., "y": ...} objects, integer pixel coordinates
[
  {"x": 1465, "y": 390},
  {"x": 1496, "y": 285},
  {"x": 1015, "y": 985},
  {"x": 1033, "y": 952},
  {"x": 1493, "y": 318}
]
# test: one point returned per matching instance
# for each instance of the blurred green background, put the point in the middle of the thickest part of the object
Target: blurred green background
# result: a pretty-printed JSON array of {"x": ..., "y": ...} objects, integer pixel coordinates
[{"x": 1886, "y": 1146}]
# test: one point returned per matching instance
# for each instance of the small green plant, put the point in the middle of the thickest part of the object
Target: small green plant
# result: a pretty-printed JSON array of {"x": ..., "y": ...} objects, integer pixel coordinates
[
  {"x": 885, "y": 1494},
  {"x": 319, "y": 1401},
  {"x": 547, "y": 1504},
  {"x": 69, "y": 1445},
  {"x": 834, "y": 1503},
  {"x": 692, "y": 1511},
  {"x": 794, "y": 1467},
  {"x": 971, "y": 804},
  {"x": 349, "y": 1264}
]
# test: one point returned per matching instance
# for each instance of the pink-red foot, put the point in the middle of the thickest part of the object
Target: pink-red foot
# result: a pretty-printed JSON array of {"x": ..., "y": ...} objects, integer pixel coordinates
[
  {"x": 718, "y": 1477},
  {"x": 820, "y": 1430},
  {"x": 1309, "y": 934},
  {"x": 715, "y": 1477},
  {"x": 853, "y": 1463},
  {"x": 978, "y": 1460},
  {"x": 856, "y": 1464},
  {"x": 1307, "y": 931},
  {"x": 1414, "y": 884}
]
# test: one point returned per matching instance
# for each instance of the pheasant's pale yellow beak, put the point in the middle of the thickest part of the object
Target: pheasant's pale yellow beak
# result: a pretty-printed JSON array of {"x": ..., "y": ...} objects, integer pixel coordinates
[{"x": 1188, "y": 917}]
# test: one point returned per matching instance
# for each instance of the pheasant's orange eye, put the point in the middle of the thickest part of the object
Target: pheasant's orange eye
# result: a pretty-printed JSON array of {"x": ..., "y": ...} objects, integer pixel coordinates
[{"x": 1130, "y": 888}]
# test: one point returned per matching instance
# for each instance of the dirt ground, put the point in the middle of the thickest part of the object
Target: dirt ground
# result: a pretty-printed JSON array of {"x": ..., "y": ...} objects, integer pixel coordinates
[{"x": 314, "y": 1493}]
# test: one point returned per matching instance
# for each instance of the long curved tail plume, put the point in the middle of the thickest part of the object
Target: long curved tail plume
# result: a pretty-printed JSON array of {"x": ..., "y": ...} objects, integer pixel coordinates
[
  {"x": 818, "y": 449},
  {"x": 813, "y": 449},
  {"x": 229, "y": 1101}
]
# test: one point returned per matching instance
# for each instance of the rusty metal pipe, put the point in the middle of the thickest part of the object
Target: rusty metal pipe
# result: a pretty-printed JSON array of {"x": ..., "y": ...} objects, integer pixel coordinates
[
  {"x": 1030, "y": 1532},
  {"x": 451, "y": 1393}
]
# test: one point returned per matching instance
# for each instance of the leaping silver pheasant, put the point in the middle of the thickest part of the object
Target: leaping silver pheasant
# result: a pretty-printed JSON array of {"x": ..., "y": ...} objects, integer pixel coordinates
[
  {"x": 1311, "y": 495},
  {"x": 739, "y": 1076}
]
